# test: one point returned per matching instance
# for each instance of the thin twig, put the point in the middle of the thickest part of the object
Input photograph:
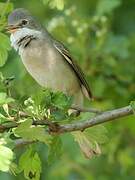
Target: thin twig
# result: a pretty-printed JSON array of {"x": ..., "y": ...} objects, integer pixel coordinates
[
  {"x": 20, "y": 143},
  {"x": 91, "y": 110}
]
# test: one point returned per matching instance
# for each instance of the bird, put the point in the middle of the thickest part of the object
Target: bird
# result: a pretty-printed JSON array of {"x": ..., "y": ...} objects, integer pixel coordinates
[{"x": 46, "y": 59}]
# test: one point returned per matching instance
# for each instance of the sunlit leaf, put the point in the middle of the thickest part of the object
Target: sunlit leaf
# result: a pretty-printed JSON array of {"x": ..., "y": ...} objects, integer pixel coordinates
[
  {"x": 4, "y": 99},
  {"x": 58, "y": 4},
  {"x": 6, "y": 157},
  {"x": 5, "y": 8}
]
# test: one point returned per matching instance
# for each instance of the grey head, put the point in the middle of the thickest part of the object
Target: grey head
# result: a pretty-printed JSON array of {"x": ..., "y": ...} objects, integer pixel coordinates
[{"x": 21, "y": 18}]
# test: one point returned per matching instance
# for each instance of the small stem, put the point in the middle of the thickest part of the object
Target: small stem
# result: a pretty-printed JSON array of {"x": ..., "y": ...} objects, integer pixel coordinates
[{"x": 91, "y": 110}]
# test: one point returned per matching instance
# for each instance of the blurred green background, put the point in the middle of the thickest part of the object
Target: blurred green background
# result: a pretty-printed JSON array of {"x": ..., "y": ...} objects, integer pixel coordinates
[{"x": 101, "y": 37}]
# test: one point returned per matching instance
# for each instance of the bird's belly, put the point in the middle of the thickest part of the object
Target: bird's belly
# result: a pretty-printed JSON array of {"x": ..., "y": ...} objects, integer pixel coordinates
[{"x": 50, "y": 70}]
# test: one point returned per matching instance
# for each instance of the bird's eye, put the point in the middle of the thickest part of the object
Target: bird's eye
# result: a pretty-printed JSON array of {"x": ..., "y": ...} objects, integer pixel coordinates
[{"x": 24, "y": 22}]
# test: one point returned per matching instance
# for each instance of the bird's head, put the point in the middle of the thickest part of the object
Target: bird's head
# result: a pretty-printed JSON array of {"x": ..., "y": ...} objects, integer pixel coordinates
[{"x": 21, "y": 18}]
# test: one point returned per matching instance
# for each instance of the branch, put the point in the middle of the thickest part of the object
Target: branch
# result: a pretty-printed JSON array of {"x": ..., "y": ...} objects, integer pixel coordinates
[
  {"x": 55, "y": 128},
  {"x": 99, "y": 119}
]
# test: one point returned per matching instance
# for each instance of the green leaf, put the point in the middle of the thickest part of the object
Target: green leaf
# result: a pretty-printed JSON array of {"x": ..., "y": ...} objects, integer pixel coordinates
[
  {"x": 5, "y": 42},
  {"x": 27, "y": 131},
  {"x": 61, "y": 101},
  {"x": 3, "y": 118},
  {"x": 6, "y": 156},
  {"x": 4, "y": 99},
  {"x": 59, "y": 4},
  {"x": 4, "y": 48},
  {"x": 5, "y": 8},
  {"x": 106, "y": 6},
  {"x": 30, "y": 164},
  {"x": 58, "y": 115},
  {"x": 55, "y": 149},
  {"x": 97, "y": 133},
  {"x": 3, "y": 57},
  {"x": 42, "y": 98}
]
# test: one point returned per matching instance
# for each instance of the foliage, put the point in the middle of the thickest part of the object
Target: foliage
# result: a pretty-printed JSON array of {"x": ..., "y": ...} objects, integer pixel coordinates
[
  {"x": 43, "y": 105},
  {"x": 31, "y": 165},
  {"x": 28, "y": 132},
  {"x": 6, "y": 157},
  {"x": 5, "y": 8},
  {"x": 100, "y": 35}
]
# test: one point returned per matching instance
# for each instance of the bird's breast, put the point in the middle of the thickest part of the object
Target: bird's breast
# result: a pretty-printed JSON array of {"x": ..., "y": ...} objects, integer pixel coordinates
[{"x": 49, "y": 68}]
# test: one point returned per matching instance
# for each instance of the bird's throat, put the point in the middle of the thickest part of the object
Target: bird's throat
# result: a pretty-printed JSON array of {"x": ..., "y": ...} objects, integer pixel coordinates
[{"x": 22, "y": 36}]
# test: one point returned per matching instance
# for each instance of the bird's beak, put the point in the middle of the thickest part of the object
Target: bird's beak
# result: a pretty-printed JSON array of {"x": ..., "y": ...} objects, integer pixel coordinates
[{"x": 12, "y": 28}]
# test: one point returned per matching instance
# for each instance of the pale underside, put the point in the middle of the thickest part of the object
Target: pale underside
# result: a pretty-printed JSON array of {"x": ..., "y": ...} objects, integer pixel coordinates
[{"x": 47, "y": 66}]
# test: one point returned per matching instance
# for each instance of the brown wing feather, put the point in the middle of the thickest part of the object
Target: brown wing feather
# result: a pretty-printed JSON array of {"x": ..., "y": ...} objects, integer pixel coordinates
[{"x": 83, "y": 83}]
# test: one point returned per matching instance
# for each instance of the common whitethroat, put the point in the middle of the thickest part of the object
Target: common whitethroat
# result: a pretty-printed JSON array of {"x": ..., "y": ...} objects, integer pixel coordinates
[{"x": 47, "y": 60}]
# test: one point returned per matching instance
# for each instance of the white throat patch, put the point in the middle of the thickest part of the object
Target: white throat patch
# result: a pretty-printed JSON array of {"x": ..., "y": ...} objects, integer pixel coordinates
[{"x": 19, "y": 34}]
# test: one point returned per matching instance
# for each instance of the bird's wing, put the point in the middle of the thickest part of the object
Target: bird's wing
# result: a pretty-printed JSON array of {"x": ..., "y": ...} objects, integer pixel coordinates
[{"x": 65, "y": 53}]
